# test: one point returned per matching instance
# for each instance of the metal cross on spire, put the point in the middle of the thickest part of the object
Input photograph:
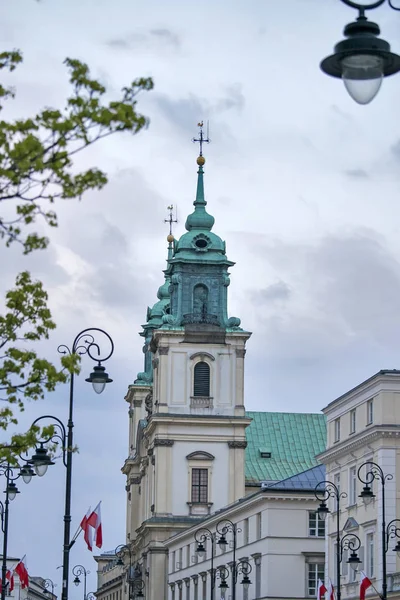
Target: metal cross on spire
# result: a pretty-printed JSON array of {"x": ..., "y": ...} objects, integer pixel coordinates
[
  {"x": 171, "y": 219},
  {"x": 201, "y": 139}
]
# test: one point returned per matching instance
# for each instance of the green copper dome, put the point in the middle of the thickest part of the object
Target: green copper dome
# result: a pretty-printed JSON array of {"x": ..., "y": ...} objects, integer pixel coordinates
[{"x": 200, "y": 243}]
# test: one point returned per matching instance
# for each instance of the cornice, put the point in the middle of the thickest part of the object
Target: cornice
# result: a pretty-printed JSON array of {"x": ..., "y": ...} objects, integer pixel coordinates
[
  {"x": 362, "y": 439},
  {"x": 364, "y": 388},
  {"x": 220, "y": 420}
]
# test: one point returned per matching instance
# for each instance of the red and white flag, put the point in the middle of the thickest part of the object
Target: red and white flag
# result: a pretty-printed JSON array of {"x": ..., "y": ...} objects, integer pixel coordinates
[
  {"x": 365, "y": 583},
  {"x": 10, "y": 577},
  {"x": 87, "y": 530},
  {"x": 22, "y": 572},
  {"x": 94, "y": 521},
  {"x": 331, "y": 591},
  {"x": 321, "y": 590},
  {"x": 9, "y": 583}
]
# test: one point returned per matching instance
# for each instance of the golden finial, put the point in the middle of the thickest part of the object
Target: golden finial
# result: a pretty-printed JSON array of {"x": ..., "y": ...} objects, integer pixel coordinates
[
  {"x": 170, "y": 238},
  {"x": 201, "y": 160}
]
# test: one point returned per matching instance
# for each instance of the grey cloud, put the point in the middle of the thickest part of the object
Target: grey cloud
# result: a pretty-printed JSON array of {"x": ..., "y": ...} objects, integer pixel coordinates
[
  {"x": 340, "y": 324},
  {"x": 395, "y": 149},
  {"x": 155, "y": 38},
  {"x": 275, "y": 292},
  {"x": 112, "y": 246},
  {"x": 186, "y": 111},
  {"x": 357, "y": 174},
  {"x": 341, "y": 281},
  {"x": 234, "y": 99}
]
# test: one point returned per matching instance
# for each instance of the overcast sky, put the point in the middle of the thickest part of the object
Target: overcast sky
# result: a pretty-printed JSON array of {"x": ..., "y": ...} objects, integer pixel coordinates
[{"x": 303, "y": 184}]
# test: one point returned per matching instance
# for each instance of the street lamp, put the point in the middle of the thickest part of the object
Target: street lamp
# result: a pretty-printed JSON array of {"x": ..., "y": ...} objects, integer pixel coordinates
[
  {"x": 80, "y": 570},
  {"x": 201, "y": 536},
  {"x": 133, "y": 575},
  {"x": 323, "y": 491},
  {"x": 84, "y": 343},
  {"x": 363, "y": 59},
  {"x": 48, "y": 583},
  {"x": 374, "y": 472},
  {"x": 11, "y": 491},
  {"x": 236, "y": 567}
]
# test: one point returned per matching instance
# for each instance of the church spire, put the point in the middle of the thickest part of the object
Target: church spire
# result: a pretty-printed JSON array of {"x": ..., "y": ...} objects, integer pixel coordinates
[{"x": 200, "y": 219}]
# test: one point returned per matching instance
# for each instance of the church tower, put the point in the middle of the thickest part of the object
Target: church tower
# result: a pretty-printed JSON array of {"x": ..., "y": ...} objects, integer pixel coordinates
[{"x": 187, "y": 415}]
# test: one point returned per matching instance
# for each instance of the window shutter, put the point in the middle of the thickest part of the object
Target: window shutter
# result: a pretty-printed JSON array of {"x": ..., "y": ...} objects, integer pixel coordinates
[{"x": 201, "y": 379}]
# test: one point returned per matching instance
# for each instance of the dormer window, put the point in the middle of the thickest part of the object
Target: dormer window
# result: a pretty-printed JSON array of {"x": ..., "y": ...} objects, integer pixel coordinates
[{"x": 201, "y": 384}]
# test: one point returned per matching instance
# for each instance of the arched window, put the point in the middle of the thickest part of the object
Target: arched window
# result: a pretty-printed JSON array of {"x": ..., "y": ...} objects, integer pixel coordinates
[{"x": 201, "y": 385}]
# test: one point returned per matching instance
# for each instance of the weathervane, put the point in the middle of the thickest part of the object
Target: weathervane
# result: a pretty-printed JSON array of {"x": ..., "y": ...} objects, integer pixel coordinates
[
  {"x": 201, "y": 139},
  {"x": 171, "y": 219}
]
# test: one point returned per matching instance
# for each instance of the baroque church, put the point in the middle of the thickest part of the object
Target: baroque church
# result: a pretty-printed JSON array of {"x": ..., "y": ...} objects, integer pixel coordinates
[{"x": 194, "y": 451}]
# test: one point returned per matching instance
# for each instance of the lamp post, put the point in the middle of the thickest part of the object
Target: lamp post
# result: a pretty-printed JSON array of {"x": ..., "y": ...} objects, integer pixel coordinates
[
  {"x": 236, "y": 567},
  {"x": 80, "y": 570},
  {"x": 201, "y": 536},
  {"x": 84, "y": 343},
  {"x": 49, "y": 584},
  {"x": 26, "y": 472},
  {"x": 374, "y": 472},
  {"x": 363, "y": 59},
  {"x": 323, "y": 491},
  {"x": 135, "y": 582}
]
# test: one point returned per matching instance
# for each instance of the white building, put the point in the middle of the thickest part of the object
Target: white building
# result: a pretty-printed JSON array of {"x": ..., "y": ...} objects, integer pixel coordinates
[
  {"x": 364, "y": 425},
  {"x": 280, "y": 546}
]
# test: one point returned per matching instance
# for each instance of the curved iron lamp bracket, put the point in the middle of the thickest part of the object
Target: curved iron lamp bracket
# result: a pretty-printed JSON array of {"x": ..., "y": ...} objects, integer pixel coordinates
[
  {"x": 60, "y": 434},
  {"x": 225, "y": 525},
  {"x": 375, "y": 473},
  {"x": 392, "y": 532},
  {"x": 326, "y": 489},
  {"x": 351, "y": 542},
  {"x": 85, "y": 343}
]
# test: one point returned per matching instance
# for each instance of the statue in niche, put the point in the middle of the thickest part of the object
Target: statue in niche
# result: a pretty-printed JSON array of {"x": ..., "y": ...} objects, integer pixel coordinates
[{"x": 200, "y": 300}]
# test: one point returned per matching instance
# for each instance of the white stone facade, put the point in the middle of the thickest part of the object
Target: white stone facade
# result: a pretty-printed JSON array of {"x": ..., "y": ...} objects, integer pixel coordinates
[
  {"x": 273, "y": 536},
  {"x": 364, "y": 425}
]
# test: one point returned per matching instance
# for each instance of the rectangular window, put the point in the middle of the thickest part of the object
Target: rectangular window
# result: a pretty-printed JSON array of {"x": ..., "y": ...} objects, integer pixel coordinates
[
  {"x": 316, "y": 526},
  {"x": 179, "y": 564},
  {"x": 315, "y": 571},
  {"x": 173, "y": 562},
  {"x": 353, "y": 421},
  {"x": 337, "y": 429},
  {"x": 370, "y": 412},
  {"x": 370, "y": 555},
  {"x": 352, "y": 486},
  {"x": 259, "y": 526},
  {"x": 245, "y": 532},
  {"x": 187, "y": 556},
  {"x": 200, "y": 485}
]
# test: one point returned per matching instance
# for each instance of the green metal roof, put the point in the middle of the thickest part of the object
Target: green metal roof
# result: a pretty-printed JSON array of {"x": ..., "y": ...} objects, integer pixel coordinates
[{"x": 292, "y": 439}]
